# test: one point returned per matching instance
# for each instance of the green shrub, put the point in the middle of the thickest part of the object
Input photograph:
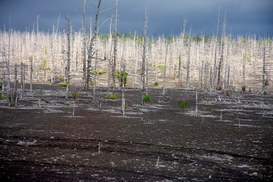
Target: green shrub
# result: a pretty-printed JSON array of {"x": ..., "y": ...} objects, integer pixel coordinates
[
  {"x": 122, "y": 77},
  {"x": 98, "y": 72},
  {"x": 147, "y": 98},
  {"x": 12, "y": 96},
  {"x": 1, "y": 95},
  {"x": 156, "y": 84},
  {"x": 44, "y": 65},
  {"x": 74, "y": 94},
  {"x": 58, "y": 79},
  {"x": 183, "y": 104},
  {"x": 63, "y": 84},
  {"x": 162, "y": 66},
  {"x": 112, "y": 96}
]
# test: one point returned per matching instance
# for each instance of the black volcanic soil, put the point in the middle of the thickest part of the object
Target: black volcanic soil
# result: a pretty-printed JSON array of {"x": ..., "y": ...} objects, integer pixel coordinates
[{"x": 229, "y": 139}]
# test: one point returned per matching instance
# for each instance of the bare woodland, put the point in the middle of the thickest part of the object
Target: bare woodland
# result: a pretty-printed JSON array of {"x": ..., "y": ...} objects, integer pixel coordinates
[{"x": 186, "y": 60}]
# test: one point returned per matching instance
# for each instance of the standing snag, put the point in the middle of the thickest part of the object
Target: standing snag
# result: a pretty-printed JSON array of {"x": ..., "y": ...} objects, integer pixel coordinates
[{"x": 91, "y": 49}]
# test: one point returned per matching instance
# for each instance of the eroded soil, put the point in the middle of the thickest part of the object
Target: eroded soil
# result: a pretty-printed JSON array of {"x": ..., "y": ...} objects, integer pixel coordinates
[{"x": 230, "y": 138}]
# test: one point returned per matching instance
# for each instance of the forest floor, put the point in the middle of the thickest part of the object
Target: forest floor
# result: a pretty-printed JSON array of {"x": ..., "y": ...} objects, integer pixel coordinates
[{"x": 230, "y": 138}]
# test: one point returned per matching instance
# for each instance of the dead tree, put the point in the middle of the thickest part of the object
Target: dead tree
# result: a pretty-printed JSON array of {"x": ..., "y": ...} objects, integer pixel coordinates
[
  {"x": 215, "y": 62},
  {"x": 188, "y": 63},
  {"x": 122, "y": 77},
  {"x": 179, "y": 70},
  {"x": 95, "y": 78},
  {"x": 8, "y": 60},
  {"x": 15, "y": 77},
  {"x": 84, "y": 43},
  {"x": 144, "y": 56},
  {"x": 228, "y": 77},
  {"x": 109, "y": 57},
  {"x": 31, "y": 74},
  {"x": 244, "y": 70},
  {"x": 221, "y": 62},
  {"x": 22, "y": 78},
  {"x": 216, "y": 47},
  {"x": 201, "y": 74},
  {"x": 219, "y": 76},
  {"x": 123, "y": 90},
  {"x": 264, "y": 81},
  {"x": 115, "y": 41},
  {"x": 91, "y": 49},
  {"x": 67, "y": 68},
  {"x": 165, "y": 69}
]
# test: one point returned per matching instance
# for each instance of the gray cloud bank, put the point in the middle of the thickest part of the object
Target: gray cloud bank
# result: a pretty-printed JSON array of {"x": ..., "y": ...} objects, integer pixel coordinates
[{"x": 165, "y": 16}]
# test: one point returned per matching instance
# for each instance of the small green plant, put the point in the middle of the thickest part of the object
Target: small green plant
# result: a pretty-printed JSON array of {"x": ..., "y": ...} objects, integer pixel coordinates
[
  {"x": 156, "y": 84},
  {"x": 1, "y": 93},
  {"x": 122, "y": 77},
  {"x": 58, "y": 79},
  {"x": 44, "y": 65},
  {"x": 162, "y": 66},
  {"x": 247, "y": 57},
  {"x": 183, "y": 103},
  {"x": 147, "y": 98},
  {"x": 98, "y": 72},
  {"x": 12, "y": 96},
  {"x": 75, "y": 91},
  {"x": 63, "y": 84},
  {"x": 111, "y": 96},
  {"x": 74, "y": 94}
]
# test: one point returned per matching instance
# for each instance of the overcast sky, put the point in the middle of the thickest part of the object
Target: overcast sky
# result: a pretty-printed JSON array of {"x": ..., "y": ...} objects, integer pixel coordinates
[{"x": 165, "y": 16}]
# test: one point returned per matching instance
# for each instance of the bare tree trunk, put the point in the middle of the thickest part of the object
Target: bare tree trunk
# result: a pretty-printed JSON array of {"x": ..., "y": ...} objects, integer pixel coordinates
[
  {"x": 3, "y": 76},
  {"x": 244, "y": 71},
  {"x": 188, "y": 64},
  {"x": 205, "y": 76},
  {"x": 8, "y": 60},
  {"x": 22, "y": 79},
  {"x": 228, "y": 77},
  {"x": 95, "y": 78},
  {"x": 264, "y": 71},
  {"x": 110, "y": 56},
  {"x": 15, "y": 77},
  {"x": 219, "y": 78},
  {"x": 67, "y": 70},
  {"x": 216, "y": 47},
  {"x": 211, "y": 77},
  {"x": 179, "y": 70},
  {"x": 165, "y": 70},
  {"x": 84, "y": 43},
  {"x": 215, "y": 62},
  {"x": 91, "y": 51},
  {"x": 31, "y": 74},
  {"x": 122, "y": 91},
  {"x": 221, "y": 62},
  {"x": 201, "y": 75},
  {"x": 115, "y": 39},
  {"x": 144, "y": 56}
]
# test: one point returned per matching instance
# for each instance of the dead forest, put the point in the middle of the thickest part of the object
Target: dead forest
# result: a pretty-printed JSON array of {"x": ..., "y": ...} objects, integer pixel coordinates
[
  {"x": 185, "y": 61},
  {"x": 90, "y": 59}
]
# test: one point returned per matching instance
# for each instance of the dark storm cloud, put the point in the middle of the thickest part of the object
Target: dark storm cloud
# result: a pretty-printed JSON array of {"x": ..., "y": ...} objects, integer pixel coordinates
[{"x": 165, "y": 16}]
